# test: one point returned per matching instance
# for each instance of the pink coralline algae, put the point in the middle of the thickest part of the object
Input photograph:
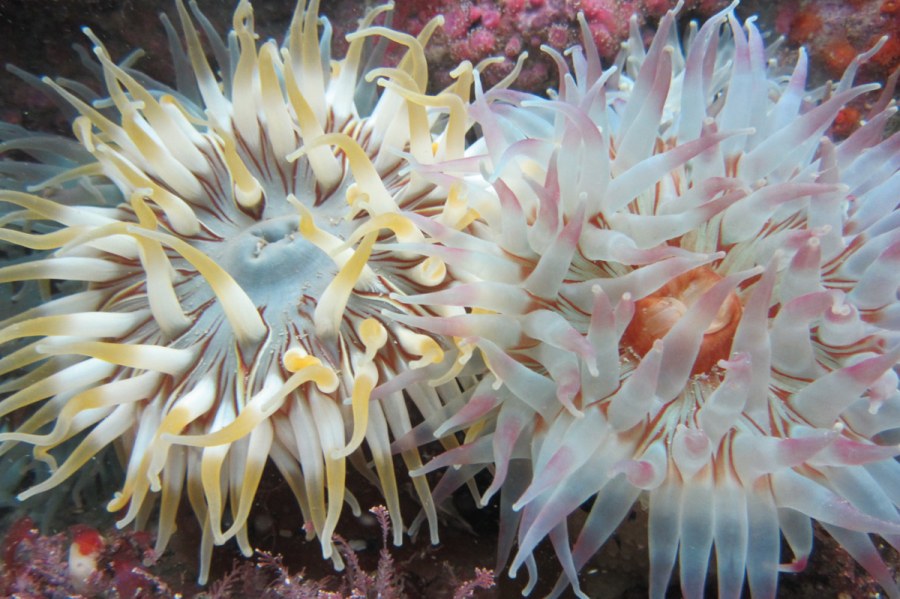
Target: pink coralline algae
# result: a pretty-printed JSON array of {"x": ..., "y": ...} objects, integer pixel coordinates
[{"x": 481, "y": 29}]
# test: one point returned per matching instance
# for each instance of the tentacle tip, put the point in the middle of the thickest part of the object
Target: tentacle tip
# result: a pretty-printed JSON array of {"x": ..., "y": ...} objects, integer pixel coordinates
[
  {"x": 340, "y": 454},
  {"x": 575, "y": 412}
]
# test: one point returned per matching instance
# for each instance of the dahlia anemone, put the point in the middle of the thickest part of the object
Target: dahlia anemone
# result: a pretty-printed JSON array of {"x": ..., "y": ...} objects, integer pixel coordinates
[
  {"x": 684, "y": 294},
  {"x": 231, "y": 302}
]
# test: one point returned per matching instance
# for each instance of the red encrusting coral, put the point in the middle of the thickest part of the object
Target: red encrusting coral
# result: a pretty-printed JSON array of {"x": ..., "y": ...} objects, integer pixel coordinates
[
  {"x": 847, "y": 121},
  {"x": 835, "y": 32}
]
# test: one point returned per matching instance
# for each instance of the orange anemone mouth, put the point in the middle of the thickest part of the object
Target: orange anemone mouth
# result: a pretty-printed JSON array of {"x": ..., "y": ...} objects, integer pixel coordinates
[{"x": 656, "y": 314}]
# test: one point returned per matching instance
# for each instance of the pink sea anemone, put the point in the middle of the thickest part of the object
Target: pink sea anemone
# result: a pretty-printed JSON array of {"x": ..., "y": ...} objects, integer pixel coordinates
[
  {"x": 232, "y": 301},
  {"x": 684, "y": 295}
]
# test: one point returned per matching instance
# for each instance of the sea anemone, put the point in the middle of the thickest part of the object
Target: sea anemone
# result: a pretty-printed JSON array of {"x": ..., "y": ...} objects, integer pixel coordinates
[
  {"x": 684, "y": 295},
  {"x": 230, "y": 306}
]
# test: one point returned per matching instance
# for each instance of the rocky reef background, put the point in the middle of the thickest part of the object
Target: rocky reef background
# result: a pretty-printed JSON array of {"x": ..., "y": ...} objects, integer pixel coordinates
[{"x": 38, "y": 37}]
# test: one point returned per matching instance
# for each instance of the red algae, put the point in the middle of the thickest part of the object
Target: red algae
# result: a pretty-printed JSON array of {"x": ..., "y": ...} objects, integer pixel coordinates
[
  {"x": 78, "y": 562},
  {"x": 122, "y": 564}
]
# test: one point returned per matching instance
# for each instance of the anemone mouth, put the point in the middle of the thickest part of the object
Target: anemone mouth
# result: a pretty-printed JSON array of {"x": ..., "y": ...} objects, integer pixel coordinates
[
  {"x": 271, "y": 260},
  {"x": 657, "y": 313}
]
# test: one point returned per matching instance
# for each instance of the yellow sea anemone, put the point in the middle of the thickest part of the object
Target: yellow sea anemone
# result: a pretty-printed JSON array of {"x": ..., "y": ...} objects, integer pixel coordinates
[{"x": 232, "y": 304}]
